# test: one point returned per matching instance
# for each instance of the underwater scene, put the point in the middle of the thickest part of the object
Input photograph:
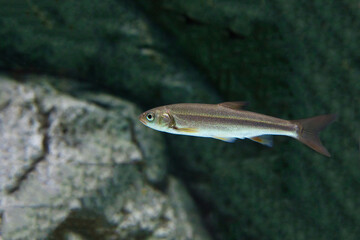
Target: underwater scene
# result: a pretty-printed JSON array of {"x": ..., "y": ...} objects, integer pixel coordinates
[{"x": 179, "y": 120}]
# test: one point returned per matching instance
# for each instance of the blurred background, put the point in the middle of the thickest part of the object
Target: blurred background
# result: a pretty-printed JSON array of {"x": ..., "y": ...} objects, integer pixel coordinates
[{"x": 288, "y": 59}]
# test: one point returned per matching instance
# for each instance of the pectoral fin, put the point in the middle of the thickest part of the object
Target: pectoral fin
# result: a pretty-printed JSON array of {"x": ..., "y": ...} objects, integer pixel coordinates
[
  {"x": 187, "y": 130},
  {"x": 264, "y": 139},
  {"x": 226, "y": 139}
]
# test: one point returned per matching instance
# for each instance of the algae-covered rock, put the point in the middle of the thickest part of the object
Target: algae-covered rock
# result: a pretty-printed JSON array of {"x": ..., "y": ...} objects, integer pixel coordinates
[
  {"x": 80, "y": 167},
  {"x": 110, "y": 43},
  {"x": 289, "y": 59}
]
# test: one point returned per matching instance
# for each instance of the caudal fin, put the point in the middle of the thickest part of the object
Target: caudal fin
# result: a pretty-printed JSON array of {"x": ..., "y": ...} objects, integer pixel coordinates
[{"x": 309, "y": 129}]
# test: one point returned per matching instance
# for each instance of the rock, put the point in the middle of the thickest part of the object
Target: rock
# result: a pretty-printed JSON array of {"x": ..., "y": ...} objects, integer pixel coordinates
[
  {"x": 289, "y": 59},
  {"x": 110, "y": 43},
  {"x": 83, "y": 167}
]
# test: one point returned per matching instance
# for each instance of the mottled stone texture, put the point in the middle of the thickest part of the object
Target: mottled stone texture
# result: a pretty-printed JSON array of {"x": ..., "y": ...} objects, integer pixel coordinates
[
  {"x": 290, "y": 59},
  {"x": 108, "y": 42},
  {"x": 83, "y": 166}
]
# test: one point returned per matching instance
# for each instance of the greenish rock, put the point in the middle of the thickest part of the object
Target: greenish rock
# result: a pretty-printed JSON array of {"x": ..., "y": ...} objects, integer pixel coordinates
[
  {"x": 289, "y": 59},
  {"x": 81, "y": 168},
  {"x": 110, "y": 43}
]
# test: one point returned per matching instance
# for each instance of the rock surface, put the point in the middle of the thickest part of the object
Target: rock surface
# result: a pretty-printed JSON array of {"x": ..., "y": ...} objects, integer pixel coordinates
[
  {"x": 84, "y": 168},
  {"x": 110, "y": 43},
  {"x": 289, "y": 59}
]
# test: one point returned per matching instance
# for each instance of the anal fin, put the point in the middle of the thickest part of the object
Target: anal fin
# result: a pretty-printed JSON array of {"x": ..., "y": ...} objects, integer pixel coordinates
[
  {"x": 226, "y": 139},
  {"x": 266, "y": 140}
]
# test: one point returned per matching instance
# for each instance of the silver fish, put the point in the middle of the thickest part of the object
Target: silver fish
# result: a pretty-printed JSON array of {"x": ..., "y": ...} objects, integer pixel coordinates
[{"x": 228, "y": 121}]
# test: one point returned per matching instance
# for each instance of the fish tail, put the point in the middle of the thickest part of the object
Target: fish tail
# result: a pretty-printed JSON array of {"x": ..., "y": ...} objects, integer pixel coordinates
[{"x": 309, "y": 129}]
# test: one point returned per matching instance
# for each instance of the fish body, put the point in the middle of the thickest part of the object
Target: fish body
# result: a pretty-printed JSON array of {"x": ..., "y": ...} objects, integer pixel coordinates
[{"x": 228, "y": 122}]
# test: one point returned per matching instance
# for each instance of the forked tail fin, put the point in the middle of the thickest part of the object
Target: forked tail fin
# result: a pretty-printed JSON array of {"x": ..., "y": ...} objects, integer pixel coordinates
[{"x": 309, "y": 129}]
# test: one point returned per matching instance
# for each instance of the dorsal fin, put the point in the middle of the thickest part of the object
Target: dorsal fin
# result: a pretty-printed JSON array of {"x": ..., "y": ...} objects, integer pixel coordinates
[{"x": 233, "y": 105}]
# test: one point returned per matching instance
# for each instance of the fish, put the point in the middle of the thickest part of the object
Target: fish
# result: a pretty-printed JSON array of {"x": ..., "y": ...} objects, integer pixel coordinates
[{"x": 229, "y": 121}]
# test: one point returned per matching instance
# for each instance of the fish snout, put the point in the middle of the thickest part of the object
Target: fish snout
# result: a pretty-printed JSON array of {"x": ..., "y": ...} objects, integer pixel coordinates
[{"x": 142, "y": 119}]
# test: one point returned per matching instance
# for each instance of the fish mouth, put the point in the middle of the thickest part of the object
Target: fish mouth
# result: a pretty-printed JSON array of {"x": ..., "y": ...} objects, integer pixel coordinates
[{"x": 142, "y": 119}]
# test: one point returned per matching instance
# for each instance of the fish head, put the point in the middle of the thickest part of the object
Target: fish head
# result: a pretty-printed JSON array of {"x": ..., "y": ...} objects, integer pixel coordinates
[{"x": 157, "y": 118}]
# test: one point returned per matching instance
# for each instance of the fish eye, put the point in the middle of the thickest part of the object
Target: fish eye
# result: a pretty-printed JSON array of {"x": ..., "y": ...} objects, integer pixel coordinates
[{"x": 150, "y": 117}]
